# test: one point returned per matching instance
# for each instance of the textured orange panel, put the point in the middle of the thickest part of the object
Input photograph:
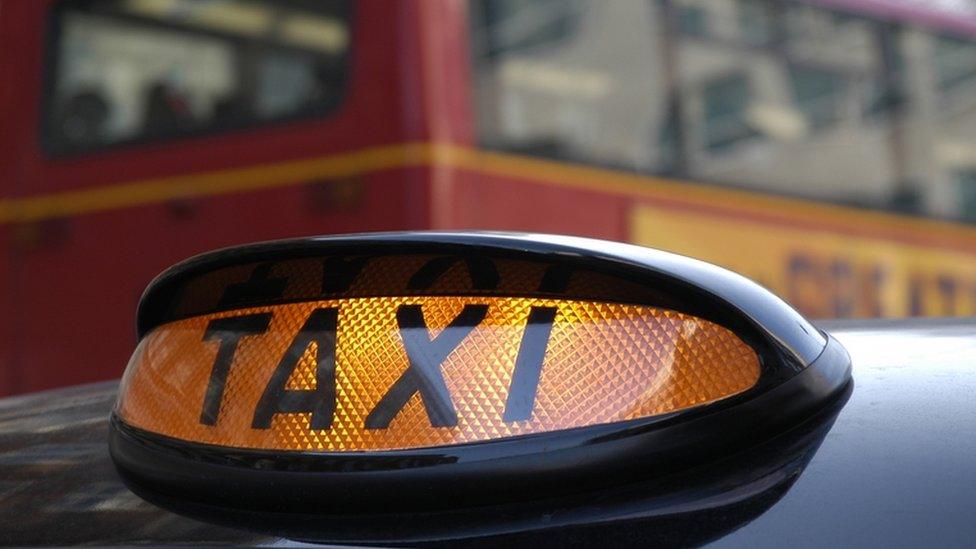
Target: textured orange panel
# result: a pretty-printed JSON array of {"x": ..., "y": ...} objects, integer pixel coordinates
[{"x": 603, "y": 362}]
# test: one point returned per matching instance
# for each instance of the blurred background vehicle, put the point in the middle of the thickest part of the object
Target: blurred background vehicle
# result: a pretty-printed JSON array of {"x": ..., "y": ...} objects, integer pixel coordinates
[{"x": 824, "y": 148}]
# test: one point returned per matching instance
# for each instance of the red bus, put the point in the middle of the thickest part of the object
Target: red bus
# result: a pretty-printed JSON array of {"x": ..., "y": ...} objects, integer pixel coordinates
[{"x": 824, "y": 150}]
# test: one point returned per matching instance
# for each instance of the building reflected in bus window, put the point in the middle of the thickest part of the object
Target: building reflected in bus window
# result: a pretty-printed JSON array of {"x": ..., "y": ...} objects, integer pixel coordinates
[
  {"x": 726, "y": 101},
  {"x": 777, "y": 96},
  {"x": 954, "y": 61},
  {"x": 140, "y": 70}
]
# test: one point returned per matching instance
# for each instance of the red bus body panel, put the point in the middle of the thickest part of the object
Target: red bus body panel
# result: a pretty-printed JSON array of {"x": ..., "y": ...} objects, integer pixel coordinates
[{"x": 83, "y": 235}]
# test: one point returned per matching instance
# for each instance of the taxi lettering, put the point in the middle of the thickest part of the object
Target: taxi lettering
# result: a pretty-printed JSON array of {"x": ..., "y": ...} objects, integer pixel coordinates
[{"x": 425, "y": 355}]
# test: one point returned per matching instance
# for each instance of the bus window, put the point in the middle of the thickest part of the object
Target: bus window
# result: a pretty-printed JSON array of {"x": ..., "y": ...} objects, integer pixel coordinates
[
  {"x": 782, "y": 97},
  {"x": 139, "y": 70},
  {"x": 582, "y": 89}
]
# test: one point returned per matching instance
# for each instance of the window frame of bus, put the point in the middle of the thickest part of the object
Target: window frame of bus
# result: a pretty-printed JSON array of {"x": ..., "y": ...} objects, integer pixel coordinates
[{"x": 52, "y": 65}]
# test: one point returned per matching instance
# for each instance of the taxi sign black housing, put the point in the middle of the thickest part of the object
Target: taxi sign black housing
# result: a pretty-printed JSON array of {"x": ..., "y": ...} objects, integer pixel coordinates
[{"x": 802, "y": 372}]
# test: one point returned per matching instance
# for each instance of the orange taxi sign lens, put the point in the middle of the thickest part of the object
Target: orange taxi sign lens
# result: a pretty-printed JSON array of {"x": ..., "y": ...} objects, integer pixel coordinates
[{"x": 384, "y": 373}]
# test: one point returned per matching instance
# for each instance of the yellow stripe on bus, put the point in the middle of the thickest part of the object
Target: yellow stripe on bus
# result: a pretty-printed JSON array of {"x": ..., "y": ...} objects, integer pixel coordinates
[
  {"x": 681, "y": 195},
  {"x": 688, "y": 194},
  {"x": 139, "y": 193}
]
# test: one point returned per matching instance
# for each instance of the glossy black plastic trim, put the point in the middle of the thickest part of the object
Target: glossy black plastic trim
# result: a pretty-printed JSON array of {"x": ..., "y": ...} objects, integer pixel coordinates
[
  {"x": 716, "y": 497},
  {"x": 708, "y": 288},
  {"x": 501, "y": 470}
]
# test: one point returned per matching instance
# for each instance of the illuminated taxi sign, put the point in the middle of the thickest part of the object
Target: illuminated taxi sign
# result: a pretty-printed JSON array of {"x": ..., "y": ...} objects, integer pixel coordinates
[
  {"x": 406, "y": 372},
  {"x": 390, "y": 373}
]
